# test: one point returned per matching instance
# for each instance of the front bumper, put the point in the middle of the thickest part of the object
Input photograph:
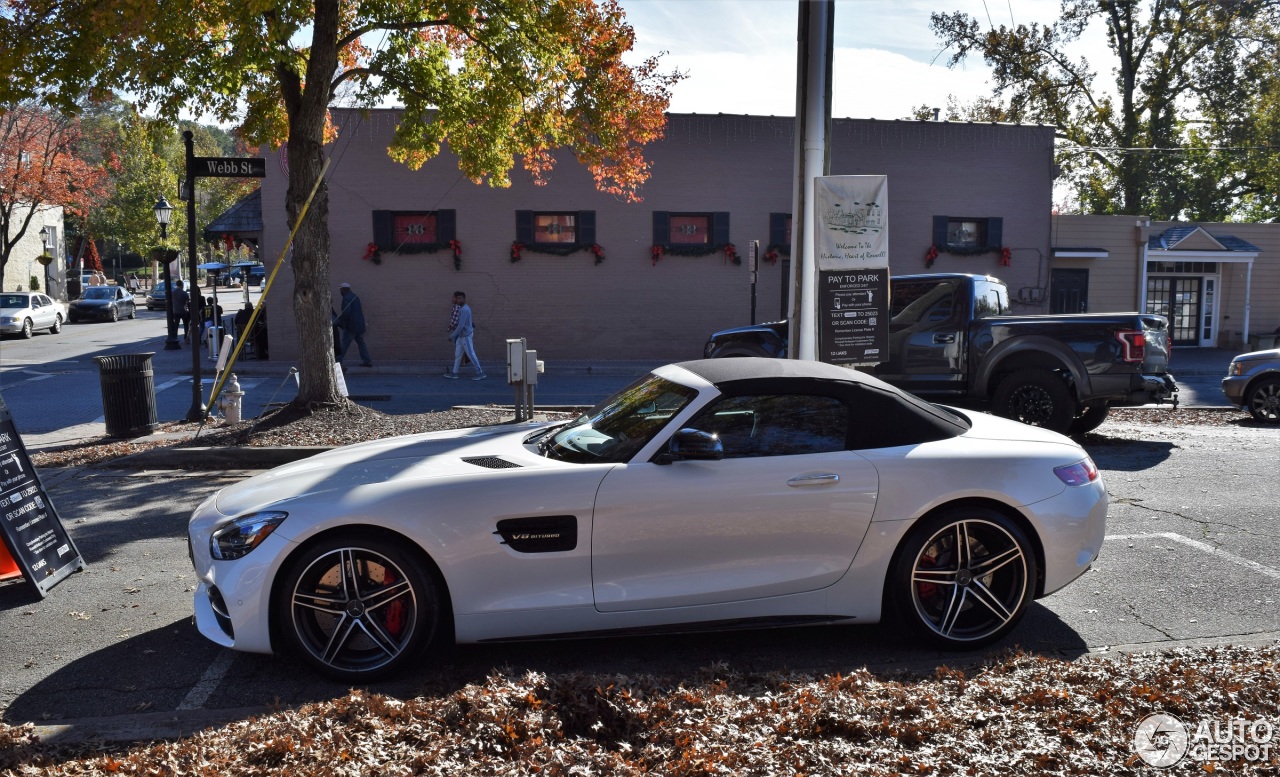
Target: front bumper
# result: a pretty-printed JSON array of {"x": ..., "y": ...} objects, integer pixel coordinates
[
  {"x": 1233, "y": 388},
  {"x": 92, "y": 314},
  {"x": 11, "y": 328}
]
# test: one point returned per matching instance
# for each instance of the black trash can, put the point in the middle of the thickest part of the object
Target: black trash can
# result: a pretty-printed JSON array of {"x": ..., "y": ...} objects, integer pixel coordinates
[{"x": 128, "y": 394}]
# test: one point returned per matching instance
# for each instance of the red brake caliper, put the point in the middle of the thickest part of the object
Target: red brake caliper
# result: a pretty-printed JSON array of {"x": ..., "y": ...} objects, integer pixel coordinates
[
  {"x": 394, "y": 621},
  {"x": 927, "y": 590}
]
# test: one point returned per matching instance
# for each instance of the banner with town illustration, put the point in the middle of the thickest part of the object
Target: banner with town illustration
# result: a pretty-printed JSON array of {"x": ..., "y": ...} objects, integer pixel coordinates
[
  {"x": 851, "y": 243},
  {"x": 852, "y": 229}
]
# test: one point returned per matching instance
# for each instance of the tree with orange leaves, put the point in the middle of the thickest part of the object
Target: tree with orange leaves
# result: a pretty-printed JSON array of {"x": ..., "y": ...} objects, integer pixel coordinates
[
  {"x": 495, "y": 79},
  {"x": 40, "y": 168}
]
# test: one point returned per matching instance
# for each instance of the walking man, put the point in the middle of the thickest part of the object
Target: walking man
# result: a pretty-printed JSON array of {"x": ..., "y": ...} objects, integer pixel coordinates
[
  {"x": 462, "y": 330},
  {"x": 182, "y": 310},
  {"x": 351, "y": 319}
]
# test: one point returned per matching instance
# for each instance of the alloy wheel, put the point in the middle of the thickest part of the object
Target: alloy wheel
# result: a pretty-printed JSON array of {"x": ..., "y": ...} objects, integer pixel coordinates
[
  {"x": 969, "y": 580},
  {"x": 354, "y": 610},
  {"x": 1264, "y": 401}
]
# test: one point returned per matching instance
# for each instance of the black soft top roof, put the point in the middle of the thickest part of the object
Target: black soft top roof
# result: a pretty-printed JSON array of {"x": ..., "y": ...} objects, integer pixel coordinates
[{"x": 886, "y": 416}]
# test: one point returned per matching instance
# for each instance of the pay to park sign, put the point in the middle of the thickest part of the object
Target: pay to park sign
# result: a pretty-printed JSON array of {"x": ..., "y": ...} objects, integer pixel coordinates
[
  {"x": 851, "y": 242},
  {"x": 36, "y": 546}
]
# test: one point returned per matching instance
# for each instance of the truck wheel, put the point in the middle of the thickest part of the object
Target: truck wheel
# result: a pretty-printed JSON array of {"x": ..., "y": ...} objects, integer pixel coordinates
[
  {"x": 1037, "y": 397},
  {"x": 1089, "y": 418},
  {"x": 1263, "y": 400},
  {"x": 738, "y": 349}
]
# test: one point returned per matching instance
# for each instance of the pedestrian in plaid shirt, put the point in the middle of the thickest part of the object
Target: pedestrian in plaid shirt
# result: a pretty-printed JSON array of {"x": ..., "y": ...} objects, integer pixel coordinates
[{"x": 462, "y": 334}]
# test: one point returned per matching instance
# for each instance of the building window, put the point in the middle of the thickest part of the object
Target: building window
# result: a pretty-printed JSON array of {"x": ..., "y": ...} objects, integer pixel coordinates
[
  {"x": 556, "y": 232},
  {"x": 414, "y": 231},
  {"x": 779, "y": 233},
  {"x": 968, "y": 235},
  {"x": 690, "y": 234}
]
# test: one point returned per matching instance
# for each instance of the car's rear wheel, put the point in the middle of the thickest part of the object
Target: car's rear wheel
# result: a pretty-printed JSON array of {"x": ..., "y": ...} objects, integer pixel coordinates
[
  {"x": 357, "y": 609},
  {"x": 27, "y": 328},
  {"x": 964, "y": 577},
  {"x": 1264, "y": 400},
  {"x": 57, "y": 324},
  {"x": 1037, "y": 397}
]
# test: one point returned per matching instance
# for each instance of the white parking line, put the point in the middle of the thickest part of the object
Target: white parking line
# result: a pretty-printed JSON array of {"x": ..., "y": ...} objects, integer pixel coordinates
[
  {"x": 1206, "y": 547},
  {"x": 201, "y": 691}
]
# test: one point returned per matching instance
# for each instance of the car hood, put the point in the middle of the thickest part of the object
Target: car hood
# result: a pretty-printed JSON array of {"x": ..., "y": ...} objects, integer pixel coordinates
[
  {"x": 14, "y": 311},
  {"x": 990, "y": 427},
  {"x": 1274, "y": 353},
  {"x": 435, "y": 455}
]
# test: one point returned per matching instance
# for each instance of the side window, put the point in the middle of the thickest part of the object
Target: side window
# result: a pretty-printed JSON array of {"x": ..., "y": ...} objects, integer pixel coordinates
[
  {"x": 915, "y": 302},
  {"x": 988, "y": 300},
  {"x": 776, "y": 425}
]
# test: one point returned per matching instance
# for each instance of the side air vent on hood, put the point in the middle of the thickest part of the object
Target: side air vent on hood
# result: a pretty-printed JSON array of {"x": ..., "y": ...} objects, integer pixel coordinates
[{"x": 492, "y": 462}]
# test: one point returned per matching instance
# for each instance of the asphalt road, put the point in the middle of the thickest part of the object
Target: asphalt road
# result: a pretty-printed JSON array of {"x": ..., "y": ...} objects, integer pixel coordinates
[{"x": 1191, "y": 557}]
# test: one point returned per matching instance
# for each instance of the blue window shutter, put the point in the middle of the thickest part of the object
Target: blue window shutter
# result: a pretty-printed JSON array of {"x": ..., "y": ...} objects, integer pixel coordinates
[
  {"x": 586, "y": 228},
  {"x": 524, "y": 226},
  {"x": 940, "y": 232},
  {"x": 720, "y": 229},
  {"x": 384, "y": 233},
  {"x": 446, "y": 225},
  {"x": 778, "y": 229},
  {"x": 662, "y": 228},
  {"x": 995, "y": 234}
]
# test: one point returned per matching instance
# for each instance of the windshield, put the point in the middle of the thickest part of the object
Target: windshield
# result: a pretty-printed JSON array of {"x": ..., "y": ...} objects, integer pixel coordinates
[
  {"x": 99, "y": 292},
  {"x": 616, "y": 429}
]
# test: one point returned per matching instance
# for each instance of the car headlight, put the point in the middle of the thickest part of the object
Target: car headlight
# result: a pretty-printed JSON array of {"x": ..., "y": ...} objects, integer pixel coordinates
[
  {"x": 1236, "y": 368},
  {"x": 242, "y": 535}
]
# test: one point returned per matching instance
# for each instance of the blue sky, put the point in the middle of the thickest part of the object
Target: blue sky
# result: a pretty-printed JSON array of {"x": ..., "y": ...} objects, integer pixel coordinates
[{"x": 741, "y": 54}]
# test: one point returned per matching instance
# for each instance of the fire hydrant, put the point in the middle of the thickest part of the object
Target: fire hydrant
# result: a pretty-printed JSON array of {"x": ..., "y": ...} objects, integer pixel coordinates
[{"x": 231, "y": 400}]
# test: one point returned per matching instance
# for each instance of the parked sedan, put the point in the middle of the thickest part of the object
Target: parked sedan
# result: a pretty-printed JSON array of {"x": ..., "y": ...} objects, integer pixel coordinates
[
  {"x": 23, "y": 312},
  {"x": 103, "y": 303},
  {"x": 709, "y": 493},
  {"x": 1253, "y": 384}
]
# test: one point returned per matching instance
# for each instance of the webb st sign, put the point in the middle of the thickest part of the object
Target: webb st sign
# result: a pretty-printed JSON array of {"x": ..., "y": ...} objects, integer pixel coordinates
[{"x": 228, "y": 167}]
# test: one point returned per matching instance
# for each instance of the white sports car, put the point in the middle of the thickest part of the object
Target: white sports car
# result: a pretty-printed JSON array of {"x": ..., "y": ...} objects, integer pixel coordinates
[{"x": 724, "y": 493}]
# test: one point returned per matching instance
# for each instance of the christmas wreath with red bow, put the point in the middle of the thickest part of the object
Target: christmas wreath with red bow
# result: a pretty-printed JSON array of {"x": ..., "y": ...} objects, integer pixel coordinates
[
  {"x": 598, "y": 250},
  {"x": 656, "y": 252},
  {"x": 930, "y": 256},
  {"x": 731, "y": 254},
  {"x": 372, "y": 253},
  {"x": 1006, "y": 256},
  {"x": 516, "y": 248},
  {"x": 457, "y": 254}
]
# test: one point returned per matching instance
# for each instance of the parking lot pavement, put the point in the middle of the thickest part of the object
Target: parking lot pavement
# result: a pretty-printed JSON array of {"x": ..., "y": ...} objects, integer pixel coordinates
[{"x": 1189, "y": 559}]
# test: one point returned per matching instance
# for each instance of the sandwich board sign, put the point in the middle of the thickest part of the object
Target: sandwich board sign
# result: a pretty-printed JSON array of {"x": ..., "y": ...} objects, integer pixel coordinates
[
  {"x": 851, "y": 245},
  {"x": 35, "y": 544}
]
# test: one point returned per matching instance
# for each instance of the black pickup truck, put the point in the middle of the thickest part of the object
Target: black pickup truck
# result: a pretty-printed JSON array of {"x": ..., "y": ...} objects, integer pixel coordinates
[{"x": 950, "y": 336}]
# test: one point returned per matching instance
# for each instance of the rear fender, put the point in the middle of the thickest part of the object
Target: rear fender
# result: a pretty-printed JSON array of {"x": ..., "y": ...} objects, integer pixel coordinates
[{"x": 1030, "y": 351}]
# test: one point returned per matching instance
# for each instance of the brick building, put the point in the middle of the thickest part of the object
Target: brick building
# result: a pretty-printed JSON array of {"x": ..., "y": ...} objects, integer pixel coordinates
[{"x": 717, "y": 180}]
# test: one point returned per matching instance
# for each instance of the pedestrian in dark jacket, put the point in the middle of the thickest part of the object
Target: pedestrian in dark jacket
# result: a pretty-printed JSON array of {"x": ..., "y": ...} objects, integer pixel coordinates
[{"x": 351, "y": 319}]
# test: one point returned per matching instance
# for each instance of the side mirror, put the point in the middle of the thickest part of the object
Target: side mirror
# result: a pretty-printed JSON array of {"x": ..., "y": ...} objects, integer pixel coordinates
[{"x": 692, "y": 445}]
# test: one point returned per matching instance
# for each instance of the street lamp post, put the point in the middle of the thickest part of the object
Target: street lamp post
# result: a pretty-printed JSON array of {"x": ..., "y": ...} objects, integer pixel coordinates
[
  {"x": 46, "y": 240},
  {"x": 197, "y": 412},
  {"x": 163, "y": 211}
]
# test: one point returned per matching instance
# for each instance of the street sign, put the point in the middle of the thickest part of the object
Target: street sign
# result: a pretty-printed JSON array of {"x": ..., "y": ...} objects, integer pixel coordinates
[
  {"x": 228, "y": 167},
  {"x": 34, "y": 540}
]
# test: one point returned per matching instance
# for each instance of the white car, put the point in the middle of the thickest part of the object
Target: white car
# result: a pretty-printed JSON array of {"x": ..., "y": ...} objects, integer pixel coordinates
[
  {"x": 726, "y": 492},
  {"x": 23, "y": 312}
]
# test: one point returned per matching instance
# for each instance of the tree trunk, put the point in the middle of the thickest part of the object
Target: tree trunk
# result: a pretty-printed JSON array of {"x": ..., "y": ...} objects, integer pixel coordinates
[{"x": 308, "y": 108}]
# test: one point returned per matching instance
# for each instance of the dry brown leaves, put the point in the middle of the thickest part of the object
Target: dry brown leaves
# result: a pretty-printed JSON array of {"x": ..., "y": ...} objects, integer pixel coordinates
[{"x": 1020, "y": 714}]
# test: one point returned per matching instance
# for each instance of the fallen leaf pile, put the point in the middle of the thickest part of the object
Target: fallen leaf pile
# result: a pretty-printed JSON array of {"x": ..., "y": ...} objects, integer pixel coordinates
[{"x": 1019, "y": 714}]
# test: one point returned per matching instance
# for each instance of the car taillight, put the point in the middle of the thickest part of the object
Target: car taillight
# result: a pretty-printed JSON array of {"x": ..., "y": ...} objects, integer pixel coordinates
[
  {"x": 1079, "y": 474},
  {"x": 1133, "y": 345}
]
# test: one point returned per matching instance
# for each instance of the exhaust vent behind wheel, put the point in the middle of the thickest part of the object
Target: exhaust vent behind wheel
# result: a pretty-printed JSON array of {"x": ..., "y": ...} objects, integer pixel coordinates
[{"x": 492, "y": 462}]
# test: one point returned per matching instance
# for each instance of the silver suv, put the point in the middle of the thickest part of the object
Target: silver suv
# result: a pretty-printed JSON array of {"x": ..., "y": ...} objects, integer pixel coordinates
[{"x": 1253, "y": 384}]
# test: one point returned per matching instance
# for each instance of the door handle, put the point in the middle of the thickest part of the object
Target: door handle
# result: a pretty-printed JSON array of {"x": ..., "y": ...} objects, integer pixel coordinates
[
  {"x": 941, "y": 339},
  {"x": 800, "y": 481}
]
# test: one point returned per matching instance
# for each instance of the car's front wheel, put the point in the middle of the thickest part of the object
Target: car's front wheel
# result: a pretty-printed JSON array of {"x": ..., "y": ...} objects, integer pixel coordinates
[
  {"x": 357, "y": 609},
  {"x": 57, "y": 324},
  {"x": 115, "y": 314},
  {"x": 1263, "y": 400},
  {"x": 1089, "y": 418},
  {"x": 964, "y": 577}
]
